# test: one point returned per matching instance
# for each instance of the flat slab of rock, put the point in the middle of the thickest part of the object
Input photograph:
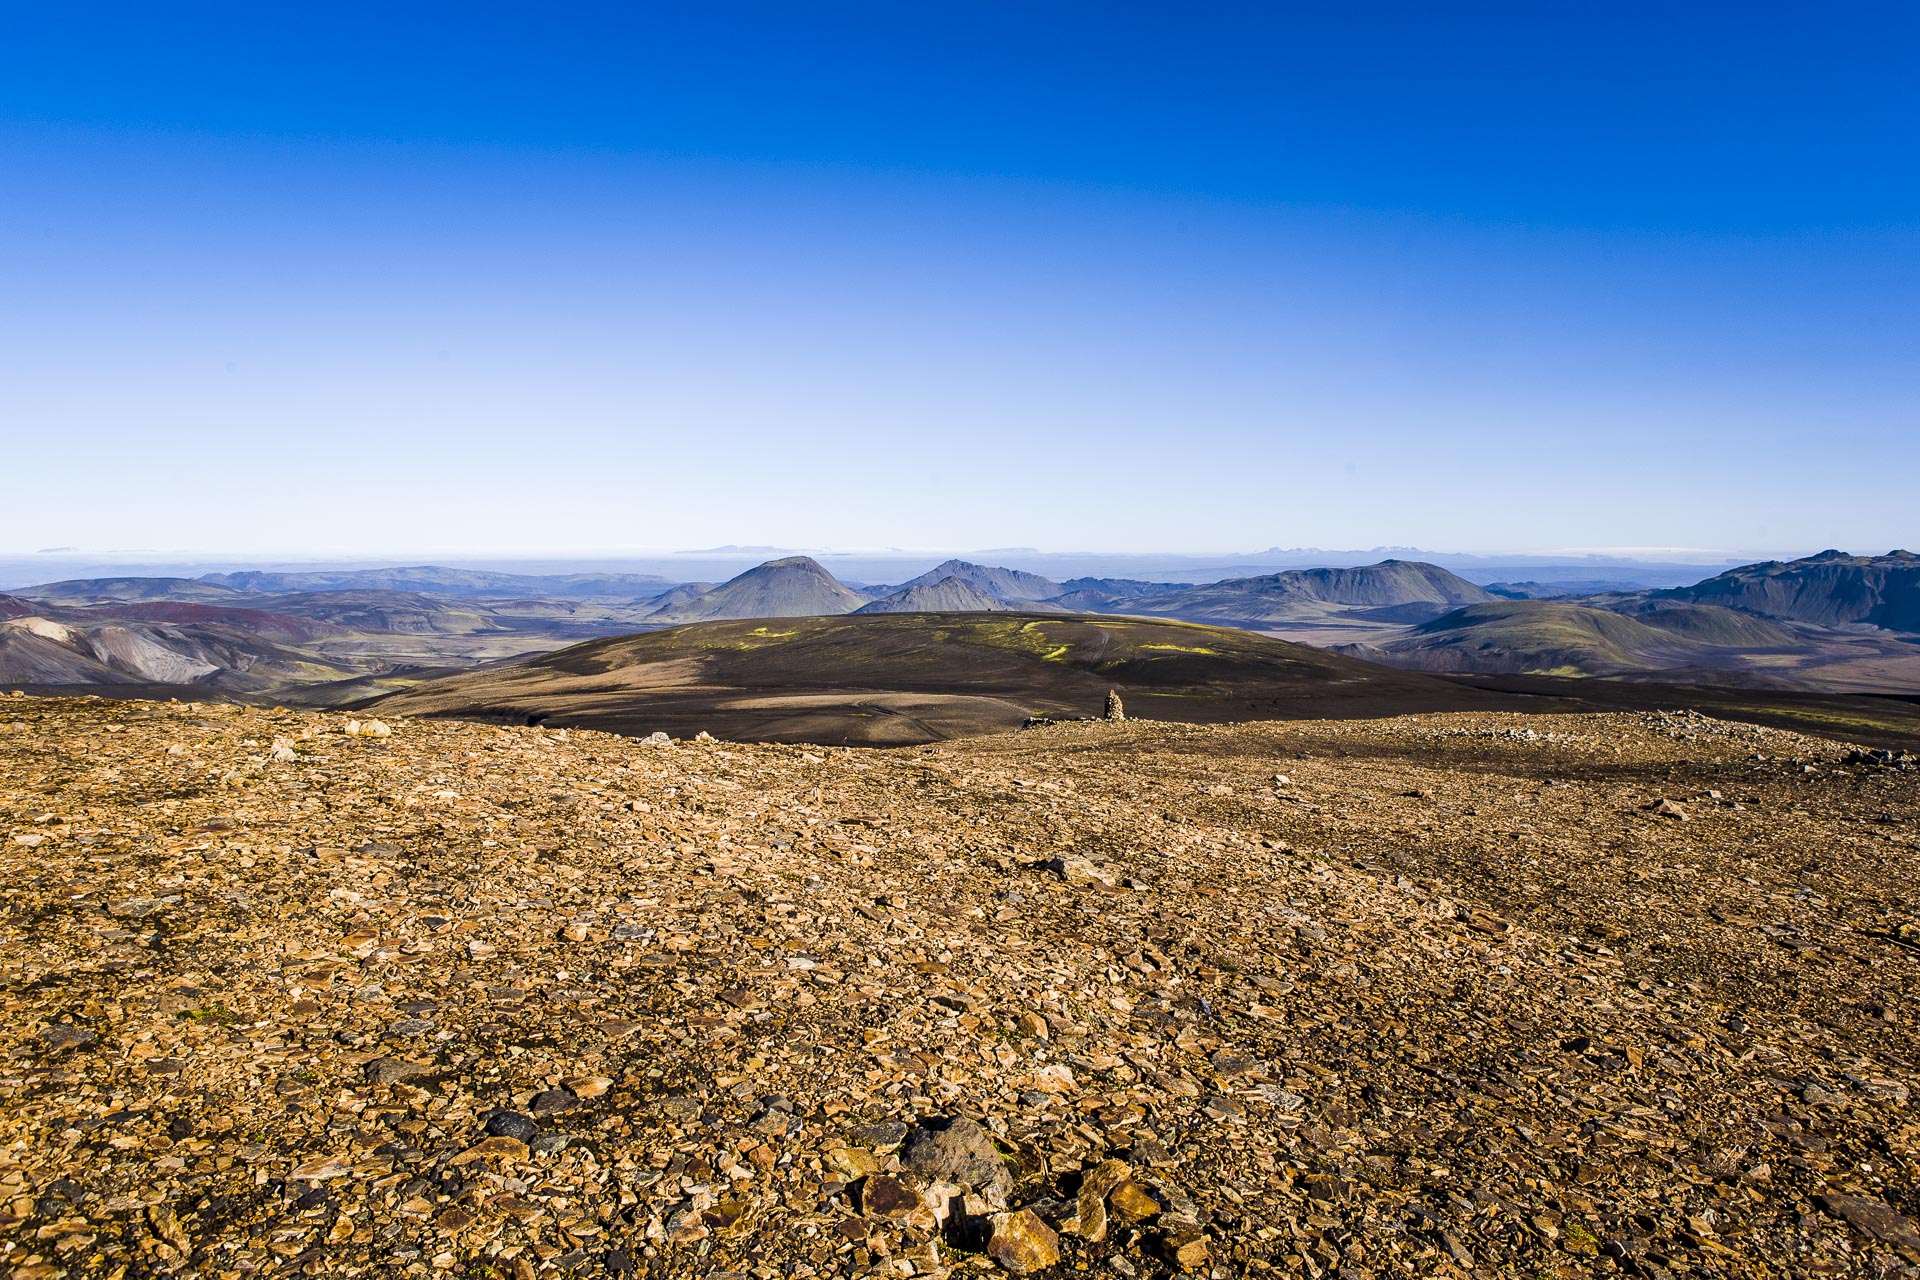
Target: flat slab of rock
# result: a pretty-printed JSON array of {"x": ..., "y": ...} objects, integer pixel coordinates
[{"x": 1873, "y": 1218}]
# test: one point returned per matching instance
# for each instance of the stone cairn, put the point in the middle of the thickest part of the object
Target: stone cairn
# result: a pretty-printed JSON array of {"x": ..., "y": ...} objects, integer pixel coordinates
[{"x": 1114, "y": 710}]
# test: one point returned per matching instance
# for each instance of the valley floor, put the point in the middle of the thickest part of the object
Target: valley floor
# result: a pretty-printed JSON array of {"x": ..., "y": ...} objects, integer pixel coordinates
[{"x": 1460, "y": 994}]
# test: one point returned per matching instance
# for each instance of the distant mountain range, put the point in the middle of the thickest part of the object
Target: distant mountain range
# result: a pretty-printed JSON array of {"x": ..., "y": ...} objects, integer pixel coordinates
[
  {"x": 446, "y": 582},
  {"x": 798, "y": 586},
  {"x": 194, "y": 637},
  {"x": 1830, "y": 621}
]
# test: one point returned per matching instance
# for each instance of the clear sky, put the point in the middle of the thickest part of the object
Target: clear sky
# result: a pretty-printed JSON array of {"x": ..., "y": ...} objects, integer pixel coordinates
[{"x": 480, "y": 278}]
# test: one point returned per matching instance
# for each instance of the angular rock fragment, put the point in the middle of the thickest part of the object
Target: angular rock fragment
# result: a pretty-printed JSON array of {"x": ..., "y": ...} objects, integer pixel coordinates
[
  {"x": 1078, "y": 870},
  {"x": 1184, "y": 1245},
  {"x": 1099, "y": 1182},
  {"x": 60, "y": 1037},
  {"x": 384, "y": 1071},
  {"x": 1021, "y": 1243},
  {"x": 956, "y": 1149}
]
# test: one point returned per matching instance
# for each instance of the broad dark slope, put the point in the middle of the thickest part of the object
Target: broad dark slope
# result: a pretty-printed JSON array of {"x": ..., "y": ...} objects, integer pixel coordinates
[
  {"x": 901, "y": 678},
  {"x": 898, "y": 679}
]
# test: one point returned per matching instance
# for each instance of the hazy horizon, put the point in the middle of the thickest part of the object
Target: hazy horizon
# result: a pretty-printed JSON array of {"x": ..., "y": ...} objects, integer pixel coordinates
[{"x": 866, "y": 566}]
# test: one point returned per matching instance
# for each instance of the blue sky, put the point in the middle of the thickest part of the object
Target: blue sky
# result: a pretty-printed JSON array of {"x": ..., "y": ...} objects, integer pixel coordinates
[{"x": 482, "y": 279}]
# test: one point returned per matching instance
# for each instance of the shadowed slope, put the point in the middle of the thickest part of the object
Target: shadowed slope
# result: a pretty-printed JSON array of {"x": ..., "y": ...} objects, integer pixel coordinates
[
  {"x": 1832, "y": 588},
  {"x": 948, "y": 595}
]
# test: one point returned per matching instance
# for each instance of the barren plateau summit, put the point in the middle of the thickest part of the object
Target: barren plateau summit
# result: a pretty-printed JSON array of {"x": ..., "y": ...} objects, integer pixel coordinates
[{"x": 1465, "y": 994}]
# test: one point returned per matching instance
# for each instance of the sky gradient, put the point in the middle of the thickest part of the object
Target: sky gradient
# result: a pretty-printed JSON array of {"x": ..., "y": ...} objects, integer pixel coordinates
[{"x": 477, "y": 281}]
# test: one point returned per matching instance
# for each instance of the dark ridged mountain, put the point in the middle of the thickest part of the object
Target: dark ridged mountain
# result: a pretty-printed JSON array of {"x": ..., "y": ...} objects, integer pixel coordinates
[
  {"x": 1830, "y": 589},
  {"x": 1012, "y": 585},
  {"x": 1419, "y": 590},
  {"x": 948, "y": 595},
  {"x": 795, "y": 587}
]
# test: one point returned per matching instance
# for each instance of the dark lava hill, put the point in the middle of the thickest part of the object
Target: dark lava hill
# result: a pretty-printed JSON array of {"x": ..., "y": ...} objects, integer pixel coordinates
[{"x": 892, "y": 679}]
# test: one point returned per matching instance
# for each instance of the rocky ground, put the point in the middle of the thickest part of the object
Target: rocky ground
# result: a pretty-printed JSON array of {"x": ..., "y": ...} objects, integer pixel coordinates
[{"x": 1449, "y": 995}]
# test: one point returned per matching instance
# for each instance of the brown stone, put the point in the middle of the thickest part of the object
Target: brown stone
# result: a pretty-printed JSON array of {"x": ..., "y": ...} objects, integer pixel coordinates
[
  {"x": 1021, "y": 1243},
  {"x": 883, "y": 1196},
  {"x": 1099, "y": 1182},
  {"x": 1131, "y": 1203},
  {"x": 1185, "y": 1246}
]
